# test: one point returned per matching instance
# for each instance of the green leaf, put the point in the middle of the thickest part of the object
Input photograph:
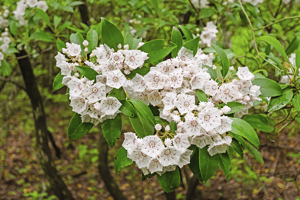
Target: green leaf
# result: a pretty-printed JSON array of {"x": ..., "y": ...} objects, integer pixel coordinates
[
  {"x": 5, "y": 69},
  {"x": 241, "y": 127},
  {"x": 187, "y": 33},
  {"x": 201, "y": 95},
  {"x": 144, "y": 110},
  {"x": 77, "y": 129},
  {"x": 225, "y": 164},
  {"x": 296, "y": 102},
  {"x": 155, "y": 5},
  {"x": 235, "y": 106},
  {"x": 75, "y": 3},
  {"x": 112, "y": 129},
  {"x": 194, "y": 162},
  {"x": 293, "y": 46},
  {"x": 128, "y": 40},
  {"x": 110, "y": 34},
  {"x": 169, "y": 181},
  {"x": 224, "y": 60},
  {"x": 208, "y": 165},
  {"x": 276, "y": 44},
  {"x": 57, "y": 82},
  {"x": 235, "y": 145},
  {"x": 127, "y": 109},
  {"x": 121, "y": 160},
  {"x": 44, "y": 16},
  {"x": 192, "y": 45},
  {"x": 42, "y": 36},
  {"x": 176, "y": 38},
  {"x": 205, "y": 13},
  {"x": 92, "y": 38},
  {"x": 88, "y": 72},
  {"x": 278, "y": 62},
  {"x": 57, "y": 20},
  {"x": 281, "y": 101},
  {"x": 13, "y": 27},
  {"x": 60, "y": 44},
  {"x": 254, "y": 152},
  {"x": 268, "y": 87},
  {"x": 77, "y": 39},
  {"x": 297, "y": 60},
  {"x": 156, "y": 53},
  {"x": 260, "y": 121},
  {"x": 211, "y": 72},
  {"x": 118, "y": 93}
]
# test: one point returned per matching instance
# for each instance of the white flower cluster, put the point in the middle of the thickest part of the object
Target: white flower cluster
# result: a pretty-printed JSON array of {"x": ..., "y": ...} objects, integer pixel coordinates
[
  {"x": 286, "y": 79},
  {"x": 254, "y": 2},
  {"x": 88, "y": 98},
  {"x": 4, "y": 39},
  {"x": 23, "y": 5},
  {"x": 172, "y": 86},
  {"x": 209, "y": 34},
  {"x": 200, "y": 3}
]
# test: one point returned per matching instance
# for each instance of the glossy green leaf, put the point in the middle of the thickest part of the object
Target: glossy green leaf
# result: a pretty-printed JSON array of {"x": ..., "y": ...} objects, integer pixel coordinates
[
  {"x": 296, "y": 102},
  {"x": 77, "y": 39},
  {"x": 111, "y": 35},
  {"x": 281, "y": 101},
  {"x": 118, "y": 93},
  {"x": 235, "y": 145},
  {"x": 260, "y": 121},
  {"x": 5, "y": 69},
  {"x": 127, "y": 109},
  {"x": 88, "y": 72},
  {"x": 254, "y": 152},
  {"x": 293, "y": 46},
  {"x": 268, "y": 87},
  {"x": 205, "y": 13},
  {"x": 225, "y": 164},
  {"x": 77, "y": 129},
  {"x": 157, "y": 56},
  {"x": 242, "y": 128},
  {"x": 276, "y": 44},
  {"x": 235, "y": 106},
  {"x": 176, "y": 38},
  {"x": 144, "y": 110},
  {"x": 187, "y": 33},
  {"x": 13, "y": 28},
  {"x": 92, "y": 38},
  {"x": 194, "y": 162},
  {"x": 224, "y": 59},
  {"x": 169, "y": 181},
  {"x": 201, "y": 95},
  {"x": 208, "y": 165},
  {"x": 152, "y": 46},
  {"x": 128, "y": 40},
  {"x": 42, "y": 36},
  {"x": 44, "y": 16},
  {"x": 111, "y": 129},
  {"x": 121, "y": 160},
  {"x": 57, "y": 82},
  {"x": 192, "y": 45}
]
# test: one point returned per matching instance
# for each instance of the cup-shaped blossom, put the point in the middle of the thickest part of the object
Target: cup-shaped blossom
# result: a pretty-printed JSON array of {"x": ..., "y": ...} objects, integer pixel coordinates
[
  {"x": 73, "y": 49},
  {"x": 192, "y": 125},
  {"x": 95, "y": 92},
  {"x": 210, "y": 118},
  {"x": 155, "y": 165},
  {"x": 78, "y": 104},
  {"x": 176, "y": 78},
  {"x": 76, "y": 87},
  {"x": 169, "y": 156},
  {"x": 154, "y": 98},
  {"x": 185, "y": 158},
  {"x": 138, "y": 83},
  {"x": 211, "y": 88},
  {"x": 152, "y": 145},
  {"x": 130, "y": 142},
  {"x": 165, "y": 67},
  {"x": 142, "y": 160},
  {"x": 225, "y": 125},
  {"x": 110, "y": 105},
  {"x": 185, "y": 103},
  {"x": 244, "y": 74},
  {"x": 169, "y": 100},
  {"x": 181, "y": 141},
  {"x": 202, "y": 140},
  {"x": 155, "y": 80},
  {"x": 102, "y": 53},
  {"x": 134, "y": 58},
  {"x": 199, "y": 80},
  {"x": 219, "y": 146},
  {"x": 115, "y": 79},
  {"x": 117, "y": 57}
]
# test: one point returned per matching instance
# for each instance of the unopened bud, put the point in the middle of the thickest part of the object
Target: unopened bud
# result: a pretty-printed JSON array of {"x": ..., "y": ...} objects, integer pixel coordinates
[
  {"x": 85, "y": 43},
  {"x": 168, "y": 142},
  {"x": 158, "y": 127},
  {"x": 167, "y": 128}
]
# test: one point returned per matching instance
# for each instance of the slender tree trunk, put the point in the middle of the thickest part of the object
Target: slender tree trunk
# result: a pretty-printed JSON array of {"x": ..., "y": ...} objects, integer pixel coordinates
[
  {"x": 171, "y": 195},
  {"x": 192, "y": 192},
  {"x": 41, "y": 133},
  {"x": 104, "y": 171},
  {"x": 84, "y": 13}
]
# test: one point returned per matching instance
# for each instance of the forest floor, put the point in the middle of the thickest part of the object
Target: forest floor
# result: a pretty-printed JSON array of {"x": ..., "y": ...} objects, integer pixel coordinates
[{"x": 21, "y": 174}]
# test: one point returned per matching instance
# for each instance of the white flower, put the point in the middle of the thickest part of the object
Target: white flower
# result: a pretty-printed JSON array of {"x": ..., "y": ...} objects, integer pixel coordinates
[
  {"x": 244, "y": 74},
  {"x": 169, "y": 156},
  {"x": 185, "y": 103},
  {"x": 211, "y": 87},
  {"x": 115, "y": 79},
  {"x": 31, "y": 3},
  {"x": 117, "y": 57},
  {"x": 200, "y": 3},
  {"x": 176, "y": 78},
  {"x": 76, "y": 86},
  {"x": 219, "y": 146},
  {"x": 192, "y": 125},
  {"x": 168, "y": 142},
  {"x": 42, "y": 5},
  {"x": 110, "y": 105},
  {"x": 129, "y": 142},
  {"x": 135, "y": 58},
  {"x": 229, "y": 92},
  {"x": 154, "y": 98},
  {"x": 158, "y": 127},
  {"x": 102, "y": 53},
  {"x": 1, "y": 56},
  {"x": 169, "y": 100},
  {"x": 155, "y": 79},
  {"x": 225, "y": 109},
  {"x": 154, "y": 165},
  {"x": 181, "y": 141},
  {"x": 108, "y": 67},
  {"x": 225, "y": 125},
  {"x": 95, "y": 92},
  {"x": 185, "y": 158},
  {"x": 165, "y": 67},
  {"x": 139, "y": 84},
  {"x": 73, "y": 49},
  {"x": 202, "y": 140},
  {"x": 210, "y": 118},
  {"x": 85, "y": 43},
  {"x": 141, "y": 159},
  {"x": 78, "y": 104},
  {"x": 152, "y": 145},
  {"x": 167, "y": 128},
  {"x": 199, "y": 80},
  {"x": 185, "y": 54}
]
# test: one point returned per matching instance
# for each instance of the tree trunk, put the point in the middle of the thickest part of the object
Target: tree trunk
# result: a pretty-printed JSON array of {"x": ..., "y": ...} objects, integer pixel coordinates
[
  {"x": 84, "y": 13},
  {"x": 192, "y": 192},
  {"x": 104, "y": 171},
  {"x": 171, "y": 195},
  {"x": 41, "y": 132}
]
